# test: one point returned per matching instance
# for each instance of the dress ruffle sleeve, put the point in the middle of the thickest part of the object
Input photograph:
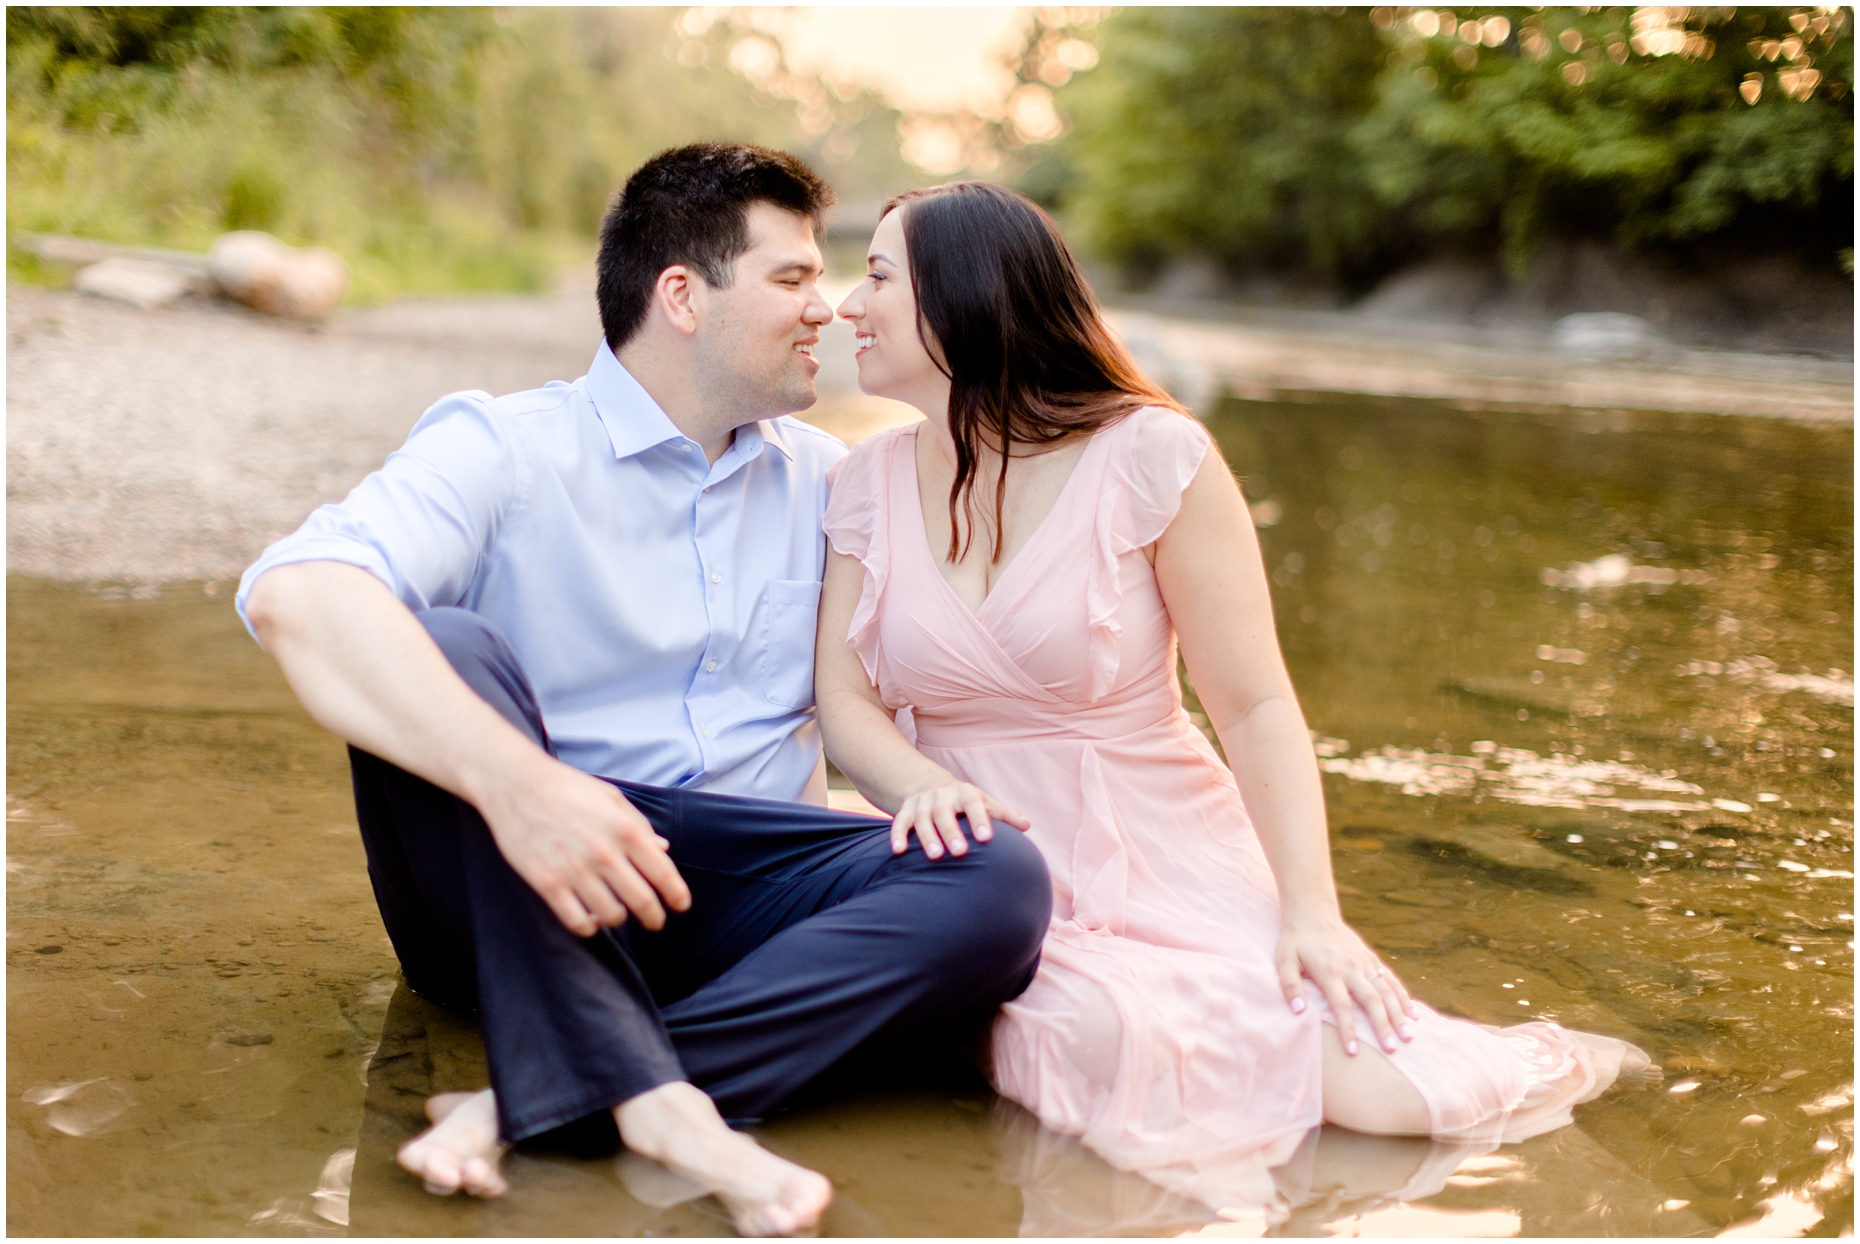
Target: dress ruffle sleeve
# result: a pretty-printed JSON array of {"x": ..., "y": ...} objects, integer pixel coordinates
[
  {"x": 1154, "y": 454},
  {"x": 855, "y": 524}
]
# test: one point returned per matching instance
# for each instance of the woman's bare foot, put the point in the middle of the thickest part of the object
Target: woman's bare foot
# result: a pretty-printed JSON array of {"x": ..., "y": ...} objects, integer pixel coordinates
[
  {"x": 677, "y": 1126},
  {"x": 460, "y": 1150},
  {"x": 1631, "y": 1066}
]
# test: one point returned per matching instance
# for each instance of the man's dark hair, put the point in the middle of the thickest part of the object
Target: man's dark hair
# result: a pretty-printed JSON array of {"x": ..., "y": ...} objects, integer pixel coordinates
[{"x": 690, "y": 206}]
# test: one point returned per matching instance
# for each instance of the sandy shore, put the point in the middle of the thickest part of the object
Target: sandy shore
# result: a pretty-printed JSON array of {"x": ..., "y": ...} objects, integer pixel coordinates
[{"x": 146, "y": 446}]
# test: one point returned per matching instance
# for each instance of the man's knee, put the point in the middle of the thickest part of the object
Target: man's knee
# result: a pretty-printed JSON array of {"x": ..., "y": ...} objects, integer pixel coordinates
[
  {"x": 481, "y": 656},
  {"x": 1010, "y": 895},
  {"x": 467, "y": 639}
]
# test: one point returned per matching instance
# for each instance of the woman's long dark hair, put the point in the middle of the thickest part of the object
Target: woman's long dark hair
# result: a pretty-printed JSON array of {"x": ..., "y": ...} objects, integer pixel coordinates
[{"x": 1006, "y": 314}]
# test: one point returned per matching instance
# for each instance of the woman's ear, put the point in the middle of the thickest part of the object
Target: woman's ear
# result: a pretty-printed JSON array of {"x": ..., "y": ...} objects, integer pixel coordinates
[{"x": 678, "y": 295}]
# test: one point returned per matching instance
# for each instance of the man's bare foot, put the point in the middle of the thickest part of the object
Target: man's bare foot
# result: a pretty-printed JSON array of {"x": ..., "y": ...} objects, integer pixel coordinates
[
  {"x": 460, "y": 1150},
  {"x": 677, "y": 1126},
  {"x": 652, "y": 1184}
]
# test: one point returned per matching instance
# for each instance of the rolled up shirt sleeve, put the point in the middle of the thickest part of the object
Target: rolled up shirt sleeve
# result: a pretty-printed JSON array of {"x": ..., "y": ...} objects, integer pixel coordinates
[{"x": 423, "y": 523}]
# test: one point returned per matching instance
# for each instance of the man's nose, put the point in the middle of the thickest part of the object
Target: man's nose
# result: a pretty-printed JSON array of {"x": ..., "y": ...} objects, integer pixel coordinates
[{"x": 818, "y": 312}]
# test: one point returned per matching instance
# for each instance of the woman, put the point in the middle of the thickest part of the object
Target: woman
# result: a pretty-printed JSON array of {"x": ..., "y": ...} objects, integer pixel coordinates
[{"x": 1007, "y": 585}]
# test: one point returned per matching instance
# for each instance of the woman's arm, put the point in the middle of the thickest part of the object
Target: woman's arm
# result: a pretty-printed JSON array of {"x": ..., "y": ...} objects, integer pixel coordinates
[
  {"x": 1213, "y": 581},
  {"x": 864, "y": 741}
]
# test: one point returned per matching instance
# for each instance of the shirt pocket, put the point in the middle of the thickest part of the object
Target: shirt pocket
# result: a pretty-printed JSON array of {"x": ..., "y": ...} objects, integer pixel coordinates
[{"x": 791, "y": 612}]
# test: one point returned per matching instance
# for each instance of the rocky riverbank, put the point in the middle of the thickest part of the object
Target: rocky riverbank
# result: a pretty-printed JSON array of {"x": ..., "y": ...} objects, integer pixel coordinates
[{"x": 145, "y": 446}]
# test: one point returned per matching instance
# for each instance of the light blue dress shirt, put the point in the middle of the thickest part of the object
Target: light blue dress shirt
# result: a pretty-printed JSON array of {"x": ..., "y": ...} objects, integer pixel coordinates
[{"x": 662, "y": 606}]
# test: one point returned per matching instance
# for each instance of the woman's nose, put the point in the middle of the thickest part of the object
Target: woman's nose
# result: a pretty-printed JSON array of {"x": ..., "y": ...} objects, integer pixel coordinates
[{"x": 851, "y": 307}]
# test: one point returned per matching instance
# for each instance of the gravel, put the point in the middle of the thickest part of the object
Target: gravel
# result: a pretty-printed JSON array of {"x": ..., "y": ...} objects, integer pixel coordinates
[{"x": 145, "y": 446}]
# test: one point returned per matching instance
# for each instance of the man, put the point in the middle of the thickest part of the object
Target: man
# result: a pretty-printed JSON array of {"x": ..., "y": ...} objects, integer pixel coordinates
[{"x": 568, "y": 635}]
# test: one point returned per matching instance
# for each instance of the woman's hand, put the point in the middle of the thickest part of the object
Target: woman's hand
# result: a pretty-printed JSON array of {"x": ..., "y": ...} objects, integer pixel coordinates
[
  {"x": 932, "y": 812},
  {"x": 1340, "y": 963}
]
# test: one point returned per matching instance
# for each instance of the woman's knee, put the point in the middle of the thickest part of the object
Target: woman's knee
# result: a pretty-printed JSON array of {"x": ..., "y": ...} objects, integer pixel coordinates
[{"x": 1365, "y": 1092}]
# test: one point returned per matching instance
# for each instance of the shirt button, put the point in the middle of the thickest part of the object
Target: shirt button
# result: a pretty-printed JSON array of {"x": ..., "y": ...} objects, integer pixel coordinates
[
  {"x": 710, "y": 667},
  {"x": 715, "y": 577},
  {"x": 684, "y": 447},
  {"x": 707, "y": 732}
]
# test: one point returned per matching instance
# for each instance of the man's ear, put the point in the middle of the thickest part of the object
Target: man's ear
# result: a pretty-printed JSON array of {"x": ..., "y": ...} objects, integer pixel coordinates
[{"x": 679, "y": 295}]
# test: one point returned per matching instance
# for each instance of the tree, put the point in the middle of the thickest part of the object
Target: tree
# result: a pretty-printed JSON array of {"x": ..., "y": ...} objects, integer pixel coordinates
[
  {"x": 1341, "y": 142},
  {"x": 435, "y": 148},
  {"x": 1225, "y": 132}
]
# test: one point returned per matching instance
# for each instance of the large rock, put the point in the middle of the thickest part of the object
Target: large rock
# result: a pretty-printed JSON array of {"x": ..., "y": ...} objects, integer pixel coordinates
[{"x": 263, "y": 273}]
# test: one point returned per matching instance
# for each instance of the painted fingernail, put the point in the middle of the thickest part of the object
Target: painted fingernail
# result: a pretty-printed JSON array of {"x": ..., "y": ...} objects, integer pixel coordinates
[
  {"x": 1389, "y": 1045},
  {"x": 1407, "y": 1033},
  {"x": 1350, "y": 1049},
  {"x": 1298, "y": 1006}
]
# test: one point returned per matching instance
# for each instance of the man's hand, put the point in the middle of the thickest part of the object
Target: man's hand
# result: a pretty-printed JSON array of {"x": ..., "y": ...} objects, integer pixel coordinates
[
  {"x": 367, "y": 671},
  {"x": 587, "y": 851}
]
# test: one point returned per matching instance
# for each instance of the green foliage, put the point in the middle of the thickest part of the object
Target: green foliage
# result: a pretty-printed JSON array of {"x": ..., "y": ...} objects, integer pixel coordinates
[
  {"x": 434, "y": 148},
  {"x": 1225, "y": 130},
  {"x": 1341, "y": 141}
]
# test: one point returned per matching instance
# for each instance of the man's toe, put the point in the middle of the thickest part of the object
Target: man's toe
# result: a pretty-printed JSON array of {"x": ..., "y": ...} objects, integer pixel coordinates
[
  {"x": 436, "y": 1168},
  {"x": 481, "y": 1178}
]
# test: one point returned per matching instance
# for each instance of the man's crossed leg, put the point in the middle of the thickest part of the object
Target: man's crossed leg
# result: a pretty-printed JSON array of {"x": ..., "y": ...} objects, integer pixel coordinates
[{"x": 806, "y": 940}]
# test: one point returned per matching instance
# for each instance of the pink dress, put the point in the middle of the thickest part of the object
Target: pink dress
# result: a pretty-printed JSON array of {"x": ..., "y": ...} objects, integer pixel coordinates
[{"x": 1155, "y": 1029}]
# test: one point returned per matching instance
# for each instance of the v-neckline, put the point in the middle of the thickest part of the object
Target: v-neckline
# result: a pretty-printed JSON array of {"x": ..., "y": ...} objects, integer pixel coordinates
[{"x": 923, "y": 529}]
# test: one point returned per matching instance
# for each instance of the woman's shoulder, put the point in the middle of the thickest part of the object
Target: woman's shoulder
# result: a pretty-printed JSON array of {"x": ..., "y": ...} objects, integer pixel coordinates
[
  {"x": 858, "y": 486},
  {"x": 865, "y": 459},
  {"x": 1165, "y": 424},
  {"x": 1157, "y": 442},
  {"x": 1157, "y": 453}
]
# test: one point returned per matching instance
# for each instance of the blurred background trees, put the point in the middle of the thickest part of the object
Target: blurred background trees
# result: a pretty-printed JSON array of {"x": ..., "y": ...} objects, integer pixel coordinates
[
  {"x": 435, "y": 148},
  {"x": 449, "y": 148},
  {"x": 1343, "y": 143}
]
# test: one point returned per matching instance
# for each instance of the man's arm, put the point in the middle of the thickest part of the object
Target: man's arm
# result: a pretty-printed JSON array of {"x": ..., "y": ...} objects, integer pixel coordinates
[{"x": 367, "y": 671}]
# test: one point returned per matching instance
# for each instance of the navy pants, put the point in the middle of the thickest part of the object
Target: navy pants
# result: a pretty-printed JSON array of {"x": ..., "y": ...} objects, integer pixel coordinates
[{"x": 807, "y": 939}]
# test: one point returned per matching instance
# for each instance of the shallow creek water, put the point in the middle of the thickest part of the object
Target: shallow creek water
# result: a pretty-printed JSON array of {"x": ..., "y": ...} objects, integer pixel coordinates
[{"x": 1578, "y": 681}]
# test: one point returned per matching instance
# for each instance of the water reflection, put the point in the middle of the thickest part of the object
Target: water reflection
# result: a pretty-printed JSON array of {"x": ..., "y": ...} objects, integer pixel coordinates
[
  {"x": 1334, "y": 1179},
  {"x": 1581, "y": 696},
  {"x": 1622, "y": 800},
  {"x": 81, "y": 1108}
]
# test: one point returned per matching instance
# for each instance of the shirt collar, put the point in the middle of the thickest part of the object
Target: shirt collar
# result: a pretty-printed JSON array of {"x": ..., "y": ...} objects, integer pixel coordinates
[
  {"x": 774, "y": 434},
  {"x": 635, "y": 422}
]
